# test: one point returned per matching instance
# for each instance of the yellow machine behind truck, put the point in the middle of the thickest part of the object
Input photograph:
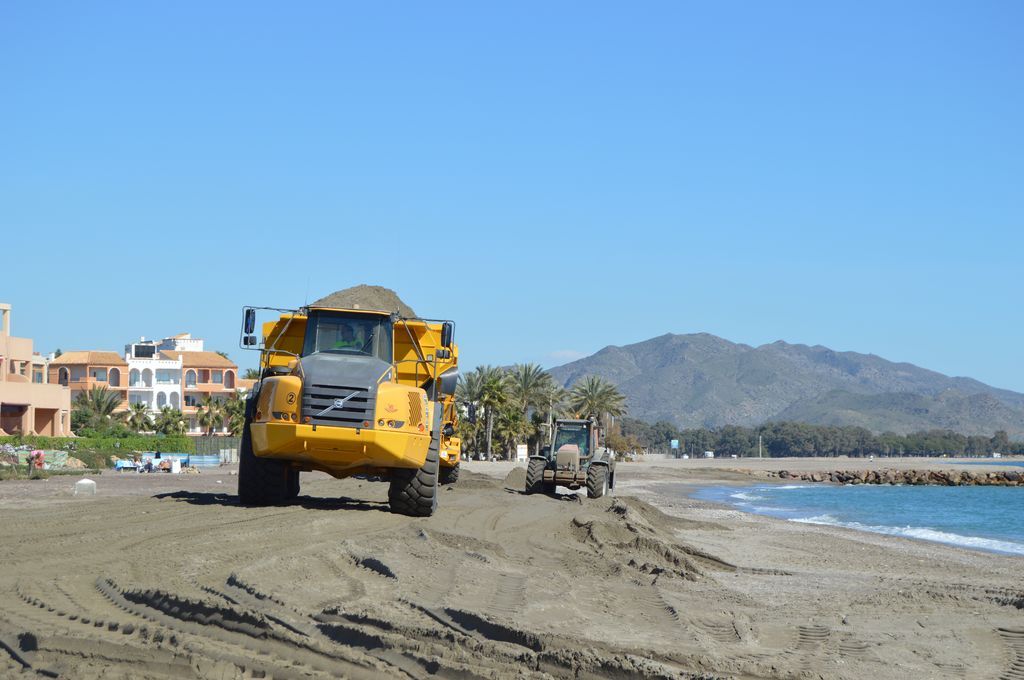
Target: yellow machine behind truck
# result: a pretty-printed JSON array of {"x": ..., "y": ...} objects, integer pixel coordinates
[{"x": 350, "y": 392}]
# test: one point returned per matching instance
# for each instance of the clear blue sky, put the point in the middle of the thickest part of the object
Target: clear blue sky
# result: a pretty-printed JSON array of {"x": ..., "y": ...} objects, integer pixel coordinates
[{"x": 556, "y": 177}]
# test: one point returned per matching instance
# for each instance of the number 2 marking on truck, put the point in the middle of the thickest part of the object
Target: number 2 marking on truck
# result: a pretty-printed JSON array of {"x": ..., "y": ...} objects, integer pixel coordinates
[{"x": 291, "y": 397}]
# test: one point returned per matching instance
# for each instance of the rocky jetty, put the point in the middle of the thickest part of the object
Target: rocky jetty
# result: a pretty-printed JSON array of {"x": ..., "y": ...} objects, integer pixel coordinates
[{"x": 909, "y": 477}]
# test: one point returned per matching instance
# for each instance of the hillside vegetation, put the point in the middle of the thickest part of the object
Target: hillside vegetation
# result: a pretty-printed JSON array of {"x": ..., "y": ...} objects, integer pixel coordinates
[{"x": 701, "y": 380}]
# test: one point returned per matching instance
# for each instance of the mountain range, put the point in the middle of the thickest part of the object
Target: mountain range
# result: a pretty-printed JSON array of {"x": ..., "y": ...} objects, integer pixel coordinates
[{"x": 701, "y": 380}]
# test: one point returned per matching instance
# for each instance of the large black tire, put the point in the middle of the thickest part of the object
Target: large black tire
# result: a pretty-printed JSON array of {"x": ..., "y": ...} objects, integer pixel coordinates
[
  {"x": 597, "y": 481},
  {"x": 260, "y": 481},
  {"x": 450, "y": 475},
  {"x": 414, "y": 492},
  {"x": 293, "y": 484},
  {"x": 535, "y": 475}
]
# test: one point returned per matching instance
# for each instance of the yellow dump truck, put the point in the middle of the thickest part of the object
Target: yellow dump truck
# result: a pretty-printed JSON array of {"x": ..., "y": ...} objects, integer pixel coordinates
[{"x": 349, "y": 392}]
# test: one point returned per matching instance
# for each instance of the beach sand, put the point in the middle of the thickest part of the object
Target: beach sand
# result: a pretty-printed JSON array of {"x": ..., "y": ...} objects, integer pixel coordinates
[{"x": 166, "y": 576}]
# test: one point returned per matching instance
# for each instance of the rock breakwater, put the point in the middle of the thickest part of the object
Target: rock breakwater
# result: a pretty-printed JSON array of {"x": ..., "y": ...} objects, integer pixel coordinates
[{"x": 908, "y": 477}]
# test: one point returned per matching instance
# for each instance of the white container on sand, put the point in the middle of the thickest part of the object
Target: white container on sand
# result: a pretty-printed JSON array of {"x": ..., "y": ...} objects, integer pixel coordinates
[{"x": 85, "y": 487}]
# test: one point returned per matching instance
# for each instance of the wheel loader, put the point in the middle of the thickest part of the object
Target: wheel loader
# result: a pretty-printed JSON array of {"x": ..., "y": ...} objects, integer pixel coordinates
[
  {"x": 349, "y": 392},
  {"x": 574, "y": 459}
]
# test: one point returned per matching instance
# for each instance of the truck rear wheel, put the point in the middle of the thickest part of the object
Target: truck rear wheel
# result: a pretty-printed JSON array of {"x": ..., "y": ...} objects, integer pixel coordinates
[
  {"x": 260, "y": 481},
  {"x": 414, "y": 492},
  {"x": 450, "y": 475},
  {"x": 535, "y": 475},
  {"x": 597, "y": 481}
]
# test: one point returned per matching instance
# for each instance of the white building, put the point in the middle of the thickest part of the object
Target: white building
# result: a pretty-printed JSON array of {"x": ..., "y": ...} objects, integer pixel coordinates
[
  {"x": 183, "y": 342},
  {"x": 178, "y": 372},
  {"x": 153, "y": 379}
]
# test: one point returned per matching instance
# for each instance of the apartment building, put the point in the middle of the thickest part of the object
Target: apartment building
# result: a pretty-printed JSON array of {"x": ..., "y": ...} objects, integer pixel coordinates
[
  {"x": 176, "y": 372},
  {"x": 203, "y": 373},
  {"x": 28, "y": 403},
  {"x": 80, "y": 371},
  {"x": 153, "y": 379}
]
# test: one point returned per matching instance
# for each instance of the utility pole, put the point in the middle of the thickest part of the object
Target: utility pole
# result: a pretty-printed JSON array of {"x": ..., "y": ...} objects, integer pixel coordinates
[{"x": 759, "y": 446}]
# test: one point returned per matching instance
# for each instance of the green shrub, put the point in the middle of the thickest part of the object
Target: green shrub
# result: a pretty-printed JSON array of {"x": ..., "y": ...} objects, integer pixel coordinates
[{"x": 96, "y": 452}]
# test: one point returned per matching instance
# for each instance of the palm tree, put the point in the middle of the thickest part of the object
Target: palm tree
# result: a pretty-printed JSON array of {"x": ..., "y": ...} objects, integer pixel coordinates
[
  {"x": 170, "y": 421},
  {"x": 467, "y": 396},
  {"x": 527, "y": 385},
  {"x": 493, "y": 396},
  {"x": 210, "y": 413},
  {"x": 553, "y": 404},
  {"x": 597, "y": 398},
  {"x": 97, "y": 407},
  {"x": 251, "y": 374},
  {"x": 511, "y": 426},
  {"x": 234, "y": 414},
  {"x": 138, "y": 418}
]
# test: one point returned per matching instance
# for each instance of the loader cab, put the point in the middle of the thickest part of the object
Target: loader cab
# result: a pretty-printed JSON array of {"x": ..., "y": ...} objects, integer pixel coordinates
[
  {"x": 578, "y": 433},
  {"x": 350, "y": 334}
]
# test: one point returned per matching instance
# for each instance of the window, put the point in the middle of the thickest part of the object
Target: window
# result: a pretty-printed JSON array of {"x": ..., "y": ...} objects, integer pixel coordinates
[
  {"x": 572, "y": 434},
  {"x": 353, "y": 334},
  {"x": 218, "y": 377},
  {"x": 99, "y": 374},
  {"x": 191, "y": 400},
  {"x": 190, "y": 378},
  {"x": 166, "y": 377}
]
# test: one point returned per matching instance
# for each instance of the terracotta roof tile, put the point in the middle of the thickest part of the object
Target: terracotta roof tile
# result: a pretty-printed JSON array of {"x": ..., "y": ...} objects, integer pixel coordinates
[{"x": 90, "y": 357}]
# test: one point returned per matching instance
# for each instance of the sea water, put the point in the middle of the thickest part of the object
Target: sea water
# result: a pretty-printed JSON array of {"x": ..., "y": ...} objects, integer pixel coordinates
[{"x": 980, "y": 517}]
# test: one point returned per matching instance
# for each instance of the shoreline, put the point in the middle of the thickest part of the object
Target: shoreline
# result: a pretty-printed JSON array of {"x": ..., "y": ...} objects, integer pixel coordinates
[{"x": 648, "y": 487}]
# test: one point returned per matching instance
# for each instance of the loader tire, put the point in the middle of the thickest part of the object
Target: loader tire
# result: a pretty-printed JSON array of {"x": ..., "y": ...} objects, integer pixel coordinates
[
  {"x": 597, "y": 481},
  {"x": 535, "y": 476},
  {"x": 450, "y": 475},
  {"x": 414, "y": 492},
  {"x": 260, "y": 481}
]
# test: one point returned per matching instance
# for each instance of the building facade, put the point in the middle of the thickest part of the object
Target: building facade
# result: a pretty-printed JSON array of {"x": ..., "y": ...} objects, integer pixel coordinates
[
  {"x": 175, "y": 372},
  {"x": 80, "y": 371},
  {"x": 29, "y": 403},
  {"x": 153, "y": 380}
]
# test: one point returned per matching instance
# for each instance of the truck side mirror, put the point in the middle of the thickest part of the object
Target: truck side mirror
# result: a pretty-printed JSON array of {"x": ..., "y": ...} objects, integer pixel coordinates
[
  {"x": 250, "y": 322},
  {"x": 449, "y": 381},
  {"x": 447, "y": 333},
  {"x": 249, "y": 340}
]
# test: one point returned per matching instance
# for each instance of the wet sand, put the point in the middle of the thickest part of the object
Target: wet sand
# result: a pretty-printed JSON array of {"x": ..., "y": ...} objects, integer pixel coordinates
[{"x": 160, "y": 576}]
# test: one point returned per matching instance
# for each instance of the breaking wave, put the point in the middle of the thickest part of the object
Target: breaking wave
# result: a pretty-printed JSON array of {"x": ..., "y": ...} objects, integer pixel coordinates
[{"x": 923, "y": 533}]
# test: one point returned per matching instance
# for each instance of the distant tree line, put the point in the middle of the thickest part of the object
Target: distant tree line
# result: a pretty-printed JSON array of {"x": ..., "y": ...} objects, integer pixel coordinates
[
  {"x": 802, "y": 439},
  {"x": 518, "y": 404}
]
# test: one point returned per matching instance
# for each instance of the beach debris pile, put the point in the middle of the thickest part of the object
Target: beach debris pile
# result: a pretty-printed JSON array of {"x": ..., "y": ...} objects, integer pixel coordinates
[{"x": 908, "y": 477}]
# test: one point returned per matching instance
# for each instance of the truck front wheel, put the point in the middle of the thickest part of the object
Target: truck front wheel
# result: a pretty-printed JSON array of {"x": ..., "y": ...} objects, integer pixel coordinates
[
  {"x": 260, "y": 481},
  {"x": 414, "y": 492},
  {"x": 597, "y": 481},
  {"x": 535, "y": 475}
]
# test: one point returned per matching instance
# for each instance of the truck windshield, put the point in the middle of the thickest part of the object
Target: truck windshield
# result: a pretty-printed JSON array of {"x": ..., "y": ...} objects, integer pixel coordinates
[
  {"x": 353, "y": 334},
  {"x": 574, "y": 435}
]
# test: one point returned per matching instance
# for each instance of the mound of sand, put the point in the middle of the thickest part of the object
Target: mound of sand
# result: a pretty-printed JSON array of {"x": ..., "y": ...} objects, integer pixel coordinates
[
  {"x": 516, "y": 479},
  {"x": 366, "y": 297}
]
